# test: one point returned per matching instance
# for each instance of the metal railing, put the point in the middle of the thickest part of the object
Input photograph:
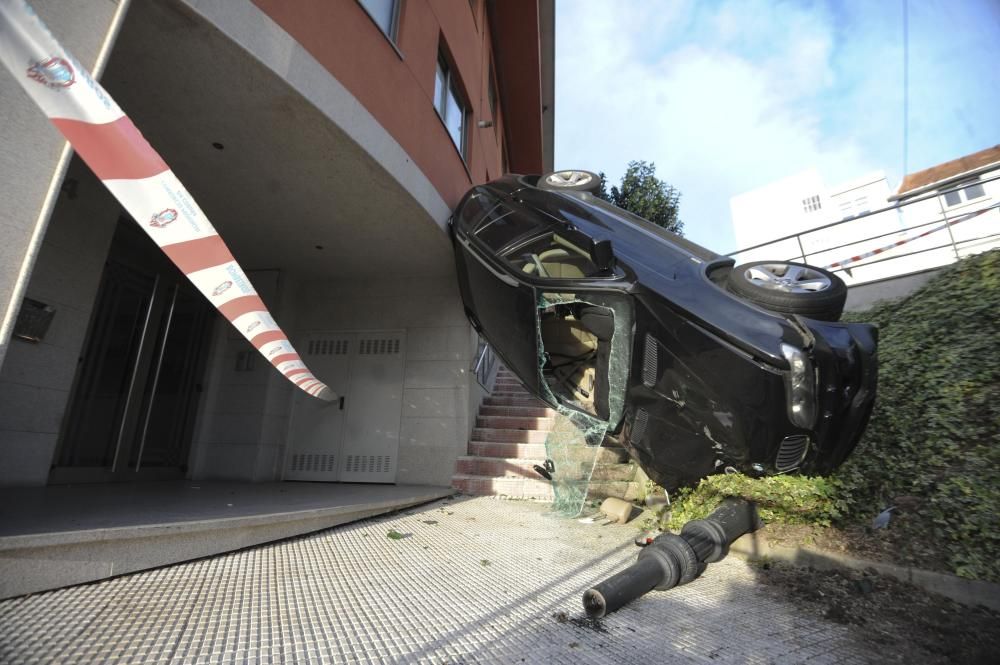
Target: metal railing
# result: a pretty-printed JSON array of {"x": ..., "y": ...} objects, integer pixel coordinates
[
  {"x": 485, "y": 365},
  {"x": 863, "y": 259}
]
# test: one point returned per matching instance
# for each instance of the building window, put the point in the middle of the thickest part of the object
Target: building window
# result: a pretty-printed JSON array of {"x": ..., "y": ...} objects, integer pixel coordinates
[
  {"x": 385, "y": 13},
  {"x": 450, "y": 105},
  {"x": 972, "y": 191},
  {"x": 811, "y": 204},
  {"x": 491, "y": 95}
]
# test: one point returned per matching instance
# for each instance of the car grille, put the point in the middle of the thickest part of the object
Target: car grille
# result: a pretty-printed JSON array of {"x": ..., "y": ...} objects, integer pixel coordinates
[
  {"x": 639, "y": 425},
  {"x": 650, "y": 362},
  {"x": 792, "y": 451}
]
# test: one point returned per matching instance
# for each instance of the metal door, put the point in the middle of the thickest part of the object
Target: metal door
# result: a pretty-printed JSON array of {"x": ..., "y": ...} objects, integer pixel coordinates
[
  {"x": 132, "y": 408},
  {"x": 316, "y": 431},
  {"x": 374, "y": 407}
]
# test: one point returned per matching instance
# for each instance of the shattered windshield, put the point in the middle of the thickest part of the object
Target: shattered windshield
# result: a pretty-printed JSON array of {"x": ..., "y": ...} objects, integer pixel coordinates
[{"x": 584, "y": 352}]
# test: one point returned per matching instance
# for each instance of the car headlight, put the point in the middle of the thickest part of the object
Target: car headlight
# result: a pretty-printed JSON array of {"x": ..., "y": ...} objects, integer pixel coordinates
[{"x": 800, "y": 386}]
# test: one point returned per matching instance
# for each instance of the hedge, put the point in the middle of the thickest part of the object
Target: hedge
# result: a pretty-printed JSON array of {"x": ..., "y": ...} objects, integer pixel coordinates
[{"x": 934, "y": 433}]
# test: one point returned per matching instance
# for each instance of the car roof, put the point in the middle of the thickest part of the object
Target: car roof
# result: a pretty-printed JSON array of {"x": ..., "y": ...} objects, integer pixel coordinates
[{"x": 630, "y": 234}]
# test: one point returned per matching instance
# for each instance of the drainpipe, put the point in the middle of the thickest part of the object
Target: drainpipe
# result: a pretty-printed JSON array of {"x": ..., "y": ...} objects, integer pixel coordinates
[{"x": 672, "y": 560}]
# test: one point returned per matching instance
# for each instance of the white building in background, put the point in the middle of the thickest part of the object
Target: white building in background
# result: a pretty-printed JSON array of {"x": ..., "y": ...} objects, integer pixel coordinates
[
  {"x": 799, "y": 218},
  {"x": 964, "y": 186}
]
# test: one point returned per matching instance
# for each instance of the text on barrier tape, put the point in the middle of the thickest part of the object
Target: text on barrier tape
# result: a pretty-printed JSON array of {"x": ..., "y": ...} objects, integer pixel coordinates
[{"x": 137, "y": 176}]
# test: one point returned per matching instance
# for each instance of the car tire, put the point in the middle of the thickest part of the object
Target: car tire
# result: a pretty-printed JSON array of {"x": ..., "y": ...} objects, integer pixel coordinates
[
  {"x": 790, "y": 288},
  {"x": 570, "y": 181}
]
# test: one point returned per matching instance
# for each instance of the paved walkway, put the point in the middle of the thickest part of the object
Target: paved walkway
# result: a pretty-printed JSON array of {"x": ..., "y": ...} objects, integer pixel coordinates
[{"x": 471, "y": 580}]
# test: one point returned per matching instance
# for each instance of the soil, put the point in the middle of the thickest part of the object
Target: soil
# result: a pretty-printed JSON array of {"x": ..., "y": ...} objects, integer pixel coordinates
[
  {"x": 904, "y": 622},
  {"x": 903, "y": 542}
]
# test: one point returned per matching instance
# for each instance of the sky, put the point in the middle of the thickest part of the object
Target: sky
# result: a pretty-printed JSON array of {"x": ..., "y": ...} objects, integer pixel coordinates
[{"x": 727, "y": 96}]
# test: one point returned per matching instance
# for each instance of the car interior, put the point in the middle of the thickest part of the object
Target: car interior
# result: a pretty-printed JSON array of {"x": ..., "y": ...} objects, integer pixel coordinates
[
  {"x": 576, "y": 343},
  {"x": 552, "y": 256}
]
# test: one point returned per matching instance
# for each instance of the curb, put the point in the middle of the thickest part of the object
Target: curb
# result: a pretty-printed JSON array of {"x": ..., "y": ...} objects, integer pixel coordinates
[{"x": 754, "y": 546}]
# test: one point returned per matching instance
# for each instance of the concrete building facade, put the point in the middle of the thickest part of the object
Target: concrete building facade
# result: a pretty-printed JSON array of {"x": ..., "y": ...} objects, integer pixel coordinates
[
  {"x": 800, "y": 204},
  {"x": 799, "y": 218},
  {"x": 950, "y": 191},
  {"x": 328, "y": 142}
]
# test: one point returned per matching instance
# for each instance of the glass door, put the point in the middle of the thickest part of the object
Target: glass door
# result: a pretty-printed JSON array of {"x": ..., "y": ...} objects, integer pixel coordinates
[{"x": 132, "y": 407}]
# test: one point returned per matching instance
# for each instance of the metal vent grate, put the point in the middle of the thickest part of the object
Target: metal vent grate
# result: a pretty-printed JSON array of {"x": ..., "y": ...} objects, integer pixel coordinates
[
  {"x": 639, "y": 424},
  {"x": 369, "y": 464},
  {"x": 327, "y": 347},
  {"x": 650, "y": 362},
  {"x": 314, "y": 462},
  {"x": 792, "y": 451},
  {"x": 378, "y": 347}
]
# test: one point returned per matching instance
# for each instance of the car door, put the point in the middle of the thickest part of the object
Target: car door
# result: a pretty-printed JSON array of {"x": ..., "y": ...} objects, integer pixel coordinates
[{"x": 502, "y": 307}]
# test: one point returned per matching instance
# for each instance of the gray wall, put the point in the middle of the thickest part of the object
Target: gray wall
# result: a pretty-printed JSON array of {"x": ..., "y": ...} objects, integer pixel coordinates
[
  {"x": 35, "y": 379},
  {"x": 243, "y": 421},
  {"x": 864, "y": 296},
  {"x": 439, "y": 347},
  {"x": 32, "y": 153},
  {"x": 243, "y": 418}
]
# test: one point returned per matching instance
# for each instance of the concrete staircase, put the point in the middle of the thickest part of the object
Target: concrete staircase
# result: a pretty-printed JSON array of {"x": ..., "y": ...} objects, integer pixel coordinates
[{"x": 509, "y": 439}]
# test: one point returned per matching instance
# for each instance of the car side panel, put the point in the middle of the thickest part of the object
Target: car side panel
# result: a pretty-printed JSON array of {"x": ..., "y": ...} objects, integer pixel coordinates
[{"x": 696, "y": 403}]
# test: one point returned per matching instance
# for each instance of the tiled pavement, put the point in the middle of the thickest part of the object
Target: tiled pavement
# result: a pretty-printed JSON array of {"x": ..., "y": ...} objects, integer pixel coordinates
[{"x": 471, "y": 580}]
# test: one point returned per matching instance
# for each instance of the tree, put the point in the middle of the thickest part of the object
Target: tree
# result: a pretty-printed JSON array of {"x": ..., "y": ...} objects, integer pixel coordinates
[{"x": 644, "y": 194}]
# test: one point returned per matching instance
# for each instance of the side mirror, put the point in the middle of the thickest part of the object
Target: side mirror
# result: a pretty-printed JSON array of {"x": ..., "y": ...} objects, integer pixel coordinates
[{"x": 602, "y": 255}]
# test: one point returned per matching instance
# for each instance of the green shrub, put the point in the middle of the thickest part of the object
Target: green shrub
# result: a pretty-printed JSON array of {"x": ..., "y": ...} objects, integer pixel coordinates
[
  {"x": 934, "y": 433},
  {"x": 786, "y": 499}
]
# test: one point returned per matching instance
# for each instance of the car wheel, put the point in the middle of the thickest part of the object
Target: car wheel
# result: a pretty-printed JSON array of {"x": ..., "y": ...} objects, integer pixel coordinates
[
  {"x": 790, "y": 288},
  {"x": 571, "y": 181}
]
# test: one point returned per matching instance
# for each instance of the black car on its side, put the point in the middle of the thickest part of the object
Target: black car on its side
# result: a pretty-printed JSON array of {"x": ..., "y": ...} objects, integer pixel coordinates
[{"x": 695, "y": 366}]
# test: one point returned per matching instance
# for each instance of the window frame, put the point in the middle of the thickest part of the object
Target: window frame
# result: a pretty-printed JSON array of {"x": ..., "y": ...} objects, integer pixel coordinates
[
  {"x": 961, "y": 192},
  {"x": 451, "y": 83},
  {"x": 491, "y": 94},
  {"x": 393, "y": 35}
]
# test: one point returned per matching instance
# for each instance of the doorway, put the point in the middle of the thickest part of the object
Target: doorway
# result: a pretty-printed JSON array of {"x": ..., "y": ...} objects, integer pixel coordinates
[
  {"x": 355, "y": 439},
  {"x": 132, "y": 407}
]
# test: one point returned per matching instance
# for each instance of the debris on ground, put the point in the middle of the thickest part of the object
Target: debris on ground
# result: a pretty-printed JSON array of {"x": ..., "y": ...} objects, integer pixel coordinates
[
  {"x": 396, "y": 535},
  {"x": 905, "y": 622},
  {"x": 882, "y": 519}
]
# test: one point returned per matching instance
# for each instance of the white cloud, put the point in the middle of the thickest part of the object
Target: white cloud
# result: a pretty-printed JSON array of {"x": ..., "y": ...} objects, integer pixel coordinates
[{"x": 721, "y": 99}]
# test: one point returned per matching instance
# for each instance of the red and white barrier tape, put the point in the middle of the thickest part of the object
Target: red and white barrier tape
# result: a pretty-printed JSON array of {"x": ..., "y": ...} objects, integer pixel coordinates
[
  {"x": 880, "y": 250},
  {"x": 137, "y": 176}
]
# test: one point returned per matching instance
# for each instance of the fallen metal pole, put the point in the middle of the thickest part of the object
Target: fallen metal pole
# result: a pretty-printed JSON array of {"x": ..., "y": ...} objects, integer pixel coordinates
[{"x": 672, "y": 559}]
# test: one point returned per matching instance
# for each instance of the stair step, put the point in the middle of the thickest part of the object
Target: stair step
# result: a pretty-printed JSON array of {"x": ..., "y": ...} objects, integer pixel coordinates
[
  {"x": 505, "y": 467},
  {"x": 518, "y": 488},
  {"x": 494, "y": 400},
  {"x": 508, "y": 435},
  {"x": 518, "y": 411},
  {"x": 515, "y": 388},
  {"x": 536, "y": 451},
  {"x": 507, "y": 450},
  {"x": 527, "y": 488},
  {"x": 524, "y": 394},
  {"x": 619, "y": 489},
  {"x": 613, "y": 472},
  {"x": 514, "y": 422},
  {"x": 497, "y": 467}
]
